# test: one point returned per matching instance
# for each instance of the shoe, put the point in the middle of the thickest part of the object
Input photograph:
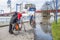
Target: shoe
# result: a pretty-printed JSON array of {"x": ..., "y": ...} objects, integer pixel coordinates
[{"x": 10, "y": 32}]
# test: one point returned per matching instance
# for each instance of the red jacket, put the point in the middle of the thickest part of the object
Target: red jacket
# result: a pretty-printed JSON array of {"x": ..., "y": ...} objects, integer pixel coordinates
[{"x": 19, "y": 15}]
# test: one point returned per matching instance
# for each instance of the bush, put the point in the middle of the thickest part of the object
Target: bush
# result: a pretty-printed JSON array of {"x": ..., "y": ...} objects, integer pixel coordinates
[{"x": 56, "y": 30}]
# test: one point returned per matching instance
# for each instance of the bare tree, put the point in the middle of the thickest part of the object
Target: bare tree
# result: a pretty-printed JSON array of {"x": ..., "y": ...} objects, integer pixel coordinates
[
  {"x": 52, "y": 7},
  {"x": 55, "y": 9}
]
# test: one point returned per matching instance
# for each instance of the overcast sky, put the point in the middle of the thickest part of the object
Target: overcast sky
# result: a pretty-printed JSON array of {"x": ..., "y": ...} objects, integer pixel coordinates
[{"x": 3, "y": 4}]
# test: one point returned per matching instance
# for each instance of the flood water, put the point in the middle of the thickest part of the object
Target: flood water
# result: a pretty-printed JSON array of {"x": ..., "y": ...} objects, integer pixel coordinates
[
  {"x": 40, "y": 34},
  {"x": 43, "y": 30}
]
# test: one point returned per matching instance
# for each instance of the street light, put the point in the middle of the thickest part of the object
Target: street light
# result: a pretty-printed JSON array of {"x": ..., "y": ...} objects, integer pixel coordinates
[{"x": 9, "y": 4}]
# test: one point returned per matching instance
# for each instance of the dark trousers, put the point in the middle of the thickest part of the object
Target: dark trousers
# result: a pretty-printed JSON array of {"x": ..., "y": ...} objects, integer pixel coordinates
[{"x": 10, "y": 28}]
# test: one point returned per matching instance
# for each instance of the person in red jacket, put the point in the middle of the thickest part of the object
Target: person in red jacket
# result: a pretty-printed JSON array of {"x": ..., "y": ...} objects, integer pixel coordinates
[
  {"x": 19, "y": 18},
  {"x": 19, "y": 15}
]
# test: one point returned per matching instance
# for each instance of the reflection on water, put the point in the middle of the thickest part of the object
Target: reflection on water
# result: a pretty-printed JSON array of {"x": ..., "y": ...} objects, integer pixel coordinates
[
  {"x": 40, "y": 34},
  {"x": 43, "y": 31}
]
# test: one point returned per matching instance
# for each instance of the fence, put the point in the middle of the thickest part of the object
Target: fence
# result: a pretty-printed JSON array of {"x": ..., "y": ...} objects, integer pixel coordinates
[{"x": 5, "y": 20}]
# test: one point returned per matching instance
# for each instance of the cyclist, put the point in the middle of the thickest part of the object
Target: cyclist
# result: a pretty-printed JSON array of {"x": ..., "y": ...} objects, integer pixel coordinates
[{"x": 16, "y": 17}]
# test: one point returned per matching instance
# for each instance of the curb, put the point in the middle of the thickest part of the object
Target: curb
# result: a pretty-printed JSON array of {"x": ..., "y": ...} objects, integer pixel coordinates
[{"x": 4, "y": 25}]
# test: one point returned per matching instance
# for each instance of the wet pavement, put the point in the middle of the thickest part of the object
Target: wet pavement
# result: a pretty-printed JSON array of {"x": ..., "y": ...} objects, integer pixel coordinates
[{"x": 28, "y": 35}]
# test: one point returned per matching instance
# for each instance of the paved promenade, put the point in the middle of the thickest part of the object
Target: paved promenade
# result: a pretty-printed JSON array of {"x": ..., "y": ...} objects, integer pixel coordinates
[{"x": 28, "y": 35}]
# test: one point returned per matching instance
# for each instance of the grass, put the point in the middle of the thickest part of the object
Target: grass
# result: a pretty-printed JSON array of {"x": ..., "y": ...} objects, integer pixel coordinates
[{"x": 56, "y": 30}]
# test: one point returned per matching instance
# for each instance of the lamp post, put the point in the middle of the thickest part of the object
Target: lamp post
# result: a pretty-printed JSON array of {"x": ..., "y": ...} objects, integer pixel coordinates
[
  {"x": 56, "y": 10},
  {"x": 9, "y": 4}
]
